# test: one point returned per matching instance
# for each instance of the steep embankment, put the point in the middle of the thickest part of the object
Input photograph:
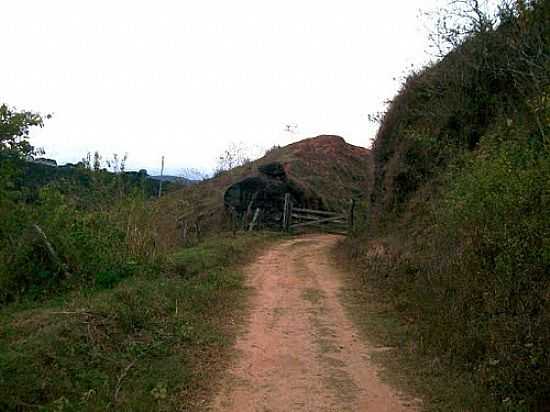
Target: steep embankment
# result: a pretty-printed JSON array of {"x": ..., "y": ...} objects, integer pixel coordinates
[
  {"x": 459, "y": 234},
  {"x": 322, "y": 172}
]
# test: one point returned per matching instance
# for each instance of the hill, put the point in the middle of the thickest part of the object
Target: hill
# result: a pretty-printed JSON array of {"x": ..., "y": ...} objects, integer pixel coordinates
[
  {"x": 174, "y": 179},
  {"x": 79, "y": 181},
  {"x": 321, "y": 172},
  {"x": 458, "y": 239}
]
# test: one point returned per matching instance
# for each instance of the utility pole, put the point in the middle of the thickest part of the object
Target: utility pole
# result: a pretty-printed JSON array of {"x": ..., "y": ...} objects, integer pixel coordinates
[{"x": 161, "y": 174}]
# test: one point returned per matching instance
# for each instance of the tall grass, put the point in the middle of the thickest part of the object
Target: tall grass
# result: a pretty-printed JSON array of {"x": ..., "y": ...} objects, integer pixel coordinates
[
  {"x": 459, "y": 237},
  {"x": 96, "y": 246}
]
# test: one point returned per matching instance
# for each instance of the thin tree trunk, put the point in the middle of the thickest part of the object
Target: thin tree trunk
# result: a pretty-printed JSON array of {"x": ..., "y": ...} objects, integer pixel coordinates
[{"x": 51, "y": 251}]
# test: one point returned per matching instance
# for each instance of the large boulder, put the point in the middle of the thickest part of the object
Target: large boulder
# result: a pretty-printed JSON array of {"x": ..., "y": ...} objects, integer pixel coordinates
[{"x": 265, "y": 191}]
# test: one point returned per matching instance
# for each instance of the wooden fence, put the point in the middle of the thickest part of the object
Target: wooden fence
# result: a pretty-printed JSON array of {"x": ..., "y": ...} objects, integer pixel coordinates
[{"x": 330, "y": 222}]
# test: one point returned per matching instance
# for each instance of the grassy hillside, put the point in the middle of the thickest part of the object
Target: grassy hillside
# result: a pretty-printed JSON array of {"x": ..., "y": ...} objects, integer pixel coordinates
[
  {"x": 94, "y": 313},
  {"x": 155, "y": 341},
  {"x": 458, "y": 237},
  {"x": 326, "y": 169}
]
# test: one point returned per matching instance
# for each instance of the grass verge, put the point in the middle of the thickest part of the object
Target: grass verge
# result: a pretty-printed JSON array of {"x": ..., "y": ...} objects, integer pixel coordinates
[
  {"x": 404, "y": 366},
  {"x": 154, "y": 342}
]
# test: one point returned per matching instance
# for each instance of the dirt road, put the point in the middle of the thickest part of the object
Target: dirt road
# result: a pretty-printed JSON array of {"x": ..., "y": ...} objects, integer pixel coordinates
[{"x": 300, "y": 352}]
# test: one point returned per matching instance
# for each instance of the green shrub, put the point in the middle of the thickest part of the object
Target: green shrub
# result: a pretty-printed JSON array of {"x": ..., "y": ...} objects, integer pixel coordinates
[
  {"x": 496, "y": 216},
  {"x": 155, "y": 341},
  {"x": 468, "y": 265},
  {"x": 97, "y": 248}
]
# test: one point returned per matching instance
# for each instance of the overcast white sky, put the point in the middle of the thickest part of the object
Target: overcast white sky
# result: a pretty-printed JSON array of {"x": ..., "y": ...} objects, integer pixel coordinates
[{"x": 186, "y": 78}]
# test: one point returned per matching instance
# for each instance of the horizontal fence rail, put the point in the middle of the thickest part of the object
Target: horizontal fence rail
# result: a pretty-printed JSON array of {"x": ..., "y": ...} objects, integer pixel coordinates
[
  {"x": 317, "y": 212},
  {"x": 335, "y": 219},
  {"x": 326, "y": 221}
]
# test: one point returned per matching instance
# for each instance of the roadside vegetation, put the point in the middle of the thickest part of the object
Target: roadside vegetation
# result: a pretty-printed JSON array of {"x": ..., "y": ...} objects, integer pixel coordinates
[
  {"x": 457, "y": 242},
  {"x": 94, "y": 314},
  {"x": 155, "y": 341},
  {"x": 54, "y": 237}
]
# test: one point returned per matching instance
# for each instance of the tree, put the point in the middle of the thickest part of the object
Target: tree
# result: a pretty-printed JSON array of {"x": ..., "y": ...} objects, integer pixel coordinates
[
  {"x": 191, "y": 173},
  {"x": 14, "y": 142},
  {"x": 233, "y": 156},
  {"x": 117, "y": 164},
  {"x": 97, "y": 161},
  {"x": 14, "y": 131},
  {"x": 459, "y": 20},
  {"x": 92, "y": 162}
]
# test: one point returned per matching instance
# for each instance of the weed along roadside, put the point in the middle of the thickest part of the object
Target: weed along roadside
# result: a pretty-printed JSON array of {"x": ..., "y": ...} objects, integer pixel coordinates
[
  {"x": 154, "y": 341},
  {"x": 373, "y": 310}
]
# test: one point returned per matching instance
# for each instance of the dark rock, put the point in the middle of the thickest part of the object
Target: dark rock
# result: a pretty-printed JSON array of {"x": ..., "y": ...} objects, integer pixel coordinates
[
  {"x": 264, "y": 193},
  {"x": 274, "y": 170}
]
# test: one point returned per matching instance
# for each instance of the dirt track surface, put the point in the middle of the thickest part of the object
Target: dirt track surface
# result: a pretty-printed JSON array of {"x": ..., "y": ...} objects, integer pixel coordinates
[{"x": 300, "y": 352}]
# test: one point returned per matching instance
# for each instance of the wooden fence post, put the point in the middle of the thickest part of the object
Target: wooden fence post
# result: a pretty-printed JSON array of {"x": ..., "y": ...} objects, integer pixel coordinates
[
  {"x": 351, "y": 217},
  {"x": 254, "y": 220},
  {"x": 286, "y": 212},
  {"x": 185, "y": 228},
  {"x": 198, "y": 229},
  {"x": 234, "y": 221},
  {"x": 290, "y": 207}
]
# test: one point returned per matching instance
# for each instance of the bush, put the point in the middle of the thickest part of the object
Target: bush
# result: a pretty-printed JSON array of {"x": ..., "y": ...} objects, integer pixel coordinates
[
  {"x": 496, "y": 218},
  {"x": 467, "y": 261},
  {"x": 97, "y": 248}
]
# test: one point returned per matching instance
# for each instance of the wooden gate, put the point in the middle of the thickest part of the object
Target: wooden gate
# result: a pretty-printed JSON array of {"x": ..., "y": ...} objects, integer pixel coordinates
[{"x": 330, "y": 222}]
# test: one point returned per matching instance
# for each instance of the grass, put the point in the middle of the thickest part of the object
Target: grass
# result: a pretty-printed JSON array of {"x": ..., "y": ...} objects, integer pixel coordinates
[
  {"x": 312, "y": 295},
  {"x": 403, "y": 365},
  {"x": 453, "y": 260},
  {"x": 458, "y": 284},
  {"x": 154, "y": 342}
]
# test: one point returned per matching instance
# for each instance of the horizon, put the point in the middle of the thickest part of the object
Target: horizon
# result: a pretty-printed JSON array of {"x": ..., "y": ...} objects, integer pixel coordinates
[{"x": 191, "y": 174}]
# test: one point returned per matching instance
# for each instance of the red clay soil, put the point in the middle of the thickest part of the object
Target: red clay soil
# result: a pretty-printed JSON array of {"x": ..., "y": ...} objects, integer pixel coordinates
[
  {"x": 328, "y": 145},
  {"x": 300, "y": 351}
]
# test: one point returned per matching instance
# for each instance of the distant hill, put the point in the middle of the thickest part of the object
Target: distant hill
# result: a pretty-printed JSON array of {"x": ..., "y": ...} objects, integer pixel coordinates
[
  {"x": 74, "y": 178},
  {"x": 322, "y": 172},
  {"x": 174, "y": 179}
]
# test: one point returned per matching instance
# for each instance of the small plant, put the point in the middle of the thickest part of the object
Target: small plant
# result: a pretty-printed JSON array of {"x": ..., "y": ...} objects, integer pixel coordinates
[{"x": 233, "y": 156}]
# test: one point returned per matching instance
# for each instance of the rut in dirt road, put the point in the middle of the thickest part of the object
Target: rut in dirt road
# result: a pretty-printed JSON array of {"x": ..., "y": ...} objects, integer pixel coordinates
[{"x": 300, "y": 352}]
